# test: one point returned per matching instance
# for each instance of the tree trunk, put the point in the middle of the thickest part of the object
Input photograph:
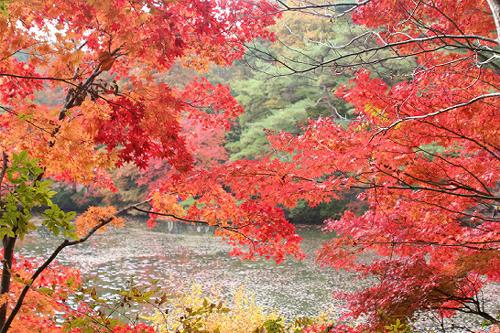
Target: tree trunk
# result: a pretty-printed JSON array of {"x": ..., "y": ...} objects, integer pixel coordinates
[{"x": 8, "y": 255}]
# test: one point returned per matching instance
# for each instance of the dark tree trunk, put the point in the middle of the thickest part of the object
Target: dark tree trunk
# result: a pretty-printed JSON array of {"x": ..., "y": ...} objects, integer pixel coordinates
[{"x": 8, "y": 255}]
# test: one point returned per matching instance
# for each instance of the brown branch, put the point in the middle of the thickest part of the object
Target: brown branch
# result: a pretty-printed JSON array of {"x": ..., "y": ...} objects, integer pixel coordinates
[
  {"x": 482, "y": 145},
  {"x": 392, "y": 45},
  {"x": 6, "y": 109},
  {"x": 229, "y": 228},
  {"x": 432, "y": 114},
  {"x": 73, "y": 98},
  {"x": 52, "y": 257},
  {"x": 5, "y": 160},
  {"x": 169, "y": 215},
  {"x": 411, "y": 187},
  {"x": 44, "y": 78},
  {"x": 473, "y": 175},
  {"x": 321, "y": 6},
  {"x": 420, "y": 242},
  {"x": 464, "y": 214}
]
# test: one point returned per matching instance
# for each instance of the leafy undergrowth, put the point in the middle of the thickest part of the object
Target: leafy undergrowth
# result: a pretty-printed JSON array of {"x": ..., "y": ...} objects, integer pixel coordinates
[
  {"x": 198, "y": 312},
  {"x": 201, "y": 312}
]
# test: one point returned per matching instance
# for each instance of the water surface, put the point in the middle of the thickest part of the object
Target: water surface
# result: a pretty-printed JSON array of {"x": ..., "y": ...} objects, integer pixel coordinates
[{"x": 181, "y": 255}]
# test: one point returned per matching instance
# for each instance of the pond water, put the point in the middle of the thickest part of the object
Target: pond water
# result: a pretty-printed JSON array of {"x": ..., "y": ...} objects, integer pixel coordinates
[{"x": 181, "y": 255}]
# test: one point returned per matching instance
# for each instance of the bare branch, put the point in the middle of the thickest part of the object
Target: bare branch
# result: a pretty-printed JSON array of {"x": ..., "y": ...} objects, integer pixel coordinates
[
  {"x": 432, "y": 114},
  {"x": 320, "y": 6},
  {"x": 229, "y": 228},
  {"x": 393, "y": 45}
]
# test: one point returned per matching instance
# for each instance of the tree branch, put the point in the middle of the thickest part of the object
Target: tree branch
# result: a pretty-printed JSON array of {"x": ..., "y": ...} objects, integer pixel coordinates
[
  {"x": 52, "y": 257},
  {"x": 8, "y": 256},
  {"x": 432, "y": 114},
  {"x": 5, "y": 160},
  {"x": 321, "y": 6},
  {"x": 229, "y": 228}
]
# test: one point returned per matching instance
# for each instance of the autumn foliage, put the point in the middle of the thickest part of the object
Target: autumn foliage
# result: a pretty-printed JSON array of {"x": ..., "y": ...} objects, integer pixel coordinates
[
  {"x": 99, "y": 63},
  {"x": 49, "y": 295},
  {"x": 423, "y": 151}
]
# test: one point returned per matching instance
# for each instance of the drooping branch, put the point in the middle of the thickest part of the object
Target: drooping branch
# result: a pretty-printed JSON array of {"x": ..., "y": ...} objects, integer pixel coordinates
[
  {"x": 66, "y": 243},
  {"x": 482, "y": 145},
  {"x": 175, "y": 217},
  {"x": 466, "y": 303}
]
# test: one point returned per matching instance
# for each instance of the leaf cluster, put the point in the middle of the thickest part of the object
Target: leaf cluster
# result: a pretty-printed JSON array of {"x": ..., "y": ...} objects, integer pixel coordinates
[{"x": 23, "y": 194}]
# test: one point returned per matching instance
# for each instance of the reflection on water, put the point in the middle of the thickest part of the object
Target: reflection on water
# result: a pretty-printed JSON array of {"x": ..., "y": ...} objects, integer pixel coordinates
[{"x": 180, "y": 255}]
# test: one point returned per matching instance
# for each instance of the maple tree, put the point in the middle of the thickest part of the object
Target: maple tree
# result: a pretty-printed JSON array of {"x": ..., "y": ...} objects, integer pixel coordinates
[
  {"x": 100, "y": 64},
  {"x": 424, "y": 150}
]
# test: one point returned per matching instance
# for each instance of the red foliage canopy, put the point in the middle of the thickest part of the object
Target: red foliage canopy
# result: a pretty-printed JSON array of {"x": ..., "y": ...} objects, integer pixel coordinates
[{"x": 425, "y": 153}]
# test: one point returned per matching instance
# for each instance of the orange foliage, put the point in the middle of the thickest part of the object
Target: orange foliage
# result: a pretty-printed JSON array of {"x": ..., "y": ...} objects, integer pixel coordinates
[{"x": 94, "y": 216}]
